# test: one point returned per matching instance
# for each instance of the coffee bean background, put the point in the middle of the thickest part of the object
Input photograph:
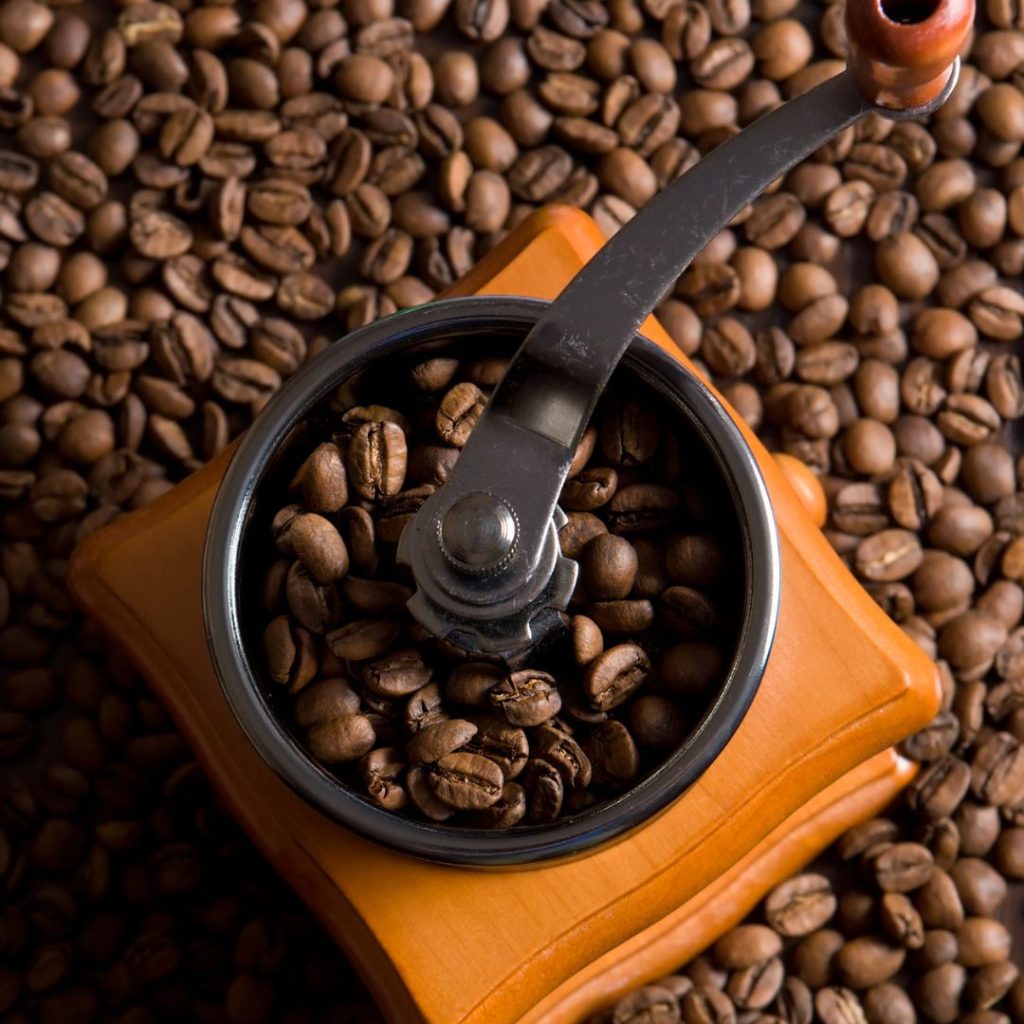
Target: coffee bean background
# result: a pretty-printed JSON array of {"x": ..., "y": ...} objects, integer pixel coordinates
[{"x": 194, "y": 199}]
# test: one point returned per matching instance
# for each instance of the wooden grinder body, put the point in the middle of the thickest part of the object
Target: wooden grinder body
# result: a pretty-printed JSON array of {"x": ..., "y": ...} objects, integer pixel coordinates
[{"x": 445, "y": 945}]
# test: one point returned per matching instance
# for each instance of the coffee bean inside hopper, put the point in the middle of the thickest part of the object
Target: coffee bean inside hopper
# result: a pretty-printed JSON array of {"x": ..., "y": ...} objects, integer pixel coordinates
[{"x": 425, "y": 729}]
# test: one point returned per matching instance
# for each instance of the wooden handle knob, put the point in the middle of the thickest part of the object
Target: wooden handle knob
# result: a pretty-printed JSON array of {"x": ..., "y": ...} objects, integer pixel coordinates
[{"x": 902, "y": 51}]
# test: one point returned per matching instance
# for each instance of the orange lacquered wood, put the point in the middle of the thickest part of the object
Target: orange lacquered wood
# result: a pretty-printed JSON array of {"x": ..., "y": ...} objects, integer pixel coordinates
[
  {"x": 807, "y": 486},
  {"x": 685, "y": 931},
  {"x": 841, "y": 686}
]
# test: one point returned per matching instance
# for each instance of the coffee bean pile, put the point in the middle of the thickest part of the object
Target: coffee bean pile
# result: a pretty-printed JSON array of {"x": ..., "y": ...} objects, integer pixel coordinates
[
  {"x": 193, "y": 196},
  {"x": 431, "y": 732},
  {"x": 836, "y": 952}
]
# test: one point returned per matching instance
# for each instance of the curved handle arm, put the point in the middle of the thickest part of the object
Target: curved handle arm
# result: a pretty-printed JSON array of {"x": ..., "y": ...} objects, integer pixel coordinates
[
  {"x": 586, "y": 330},
  {"x": 522, "y": 446}
]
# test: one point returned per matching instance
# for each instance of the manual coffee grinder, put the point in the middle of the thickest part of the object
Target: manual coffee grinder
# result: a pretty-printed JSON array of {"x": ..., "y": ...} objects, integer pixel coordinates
[{"x": 797, "y": 746}]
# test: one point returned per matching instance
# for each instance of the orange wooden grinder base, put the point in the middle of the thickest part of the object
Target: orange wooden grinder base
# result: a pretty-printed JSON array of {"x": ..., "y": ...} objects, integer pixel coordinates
[{"x": 447, "y": 945}]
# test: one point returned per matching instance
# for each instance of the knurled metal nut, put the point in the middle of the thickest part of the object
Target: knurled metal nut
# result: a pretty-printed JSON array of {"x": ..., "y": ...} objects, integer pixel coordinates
[{"x": 479, "y": 570}]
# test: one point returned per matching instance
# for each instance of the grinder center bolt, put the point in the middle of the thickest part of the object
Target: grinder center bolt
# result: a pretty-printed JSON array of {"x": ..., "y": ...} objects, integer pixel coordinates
[{"x": 478, "y": 533}]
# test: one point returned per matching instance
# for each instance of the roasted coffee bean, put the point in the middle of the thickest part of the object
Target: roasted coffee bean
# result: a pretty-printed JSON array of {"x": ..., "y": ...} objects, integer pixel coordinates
[
  {"x": 630, "y": 434},
  {"x": 608, "y": 567},
  {"x": 707, "y": 1004},
  {"x": 566, "y": 755},
  {"x": 17, "y": 735},
  {"x": 921, "y": 388},
  {"x": 1003, "y": 386},
  {"x": 397, "y": 674},
  {"x": 318, "y": 545},
  {"x": 160, "y": 235},
  {"x": 325, "y": 700},
  {"x": 612, "y": 753},
  {"x": 997, "y": 771},
  {"x": 651, "y": 1003},
  {"x": 838, "y": 1005},
  {"x": 375, "y": 597},
  {"x": 906, "y": 265},
  {"x": 424, "y": 709},
  {"x": 377, "y": 460},
  {"x": 423, "y": 797},
  {"x": 728, "y": 348},
  {"x": 465, "y": 781},
  {"x": 967, "y": 419},
  {"x": 508, "y": 810},
  {"x": 714, "y": 288},
  {"x": 982, "y": 889},
  {"x": 813, "y": 955},
  {"x": 615, "y": 675},
  {"x": 53, "y": 219},
  {"x": 801, "y": 905},
  {"x": 982, "y": 941},
  {"x": 315, "y": 605},
  {"x": 892, "y": 212},
  {"x": 506, "y": 745},
  {"x": 756, "y": 986},
  {"x": 481, "y": 20},
  {"x": 723, "y": 64},
  {"x": 691, "y": 667},
  {"x": 434, "y": 741},
  {"x": 526, "y": 698},
  {"x": 942, "y": 582},
  {"x": 323, "y": 479},
  {"x": 997, "y": 313},
  {"x": 901, "y": 920},
  {"x": 745, "y": 946},
  {"x": 870, "y": 447},
  {"x": 889, "y": 555},
  {"x": 696, "y": 560},
  {"x": 589, "y": 490},
  {"x": 345, "y": 738},
  {"x": 539, "y": 173},
  {"x": 544, "y": 793},
  {"x": 657, "y": 723},
  {"x": 941, "y": 787},
  {"x": 902, "y": 867},
  {"x": 18, "y": 173},
  {"x": 458, "y": 412},
  {"x": 382, "y": 771},
  {"x": 774, "y": 220},
  {"x": 362, "y": 639},
  {"x": 641, "y": 507},
  {"x": 470, "y": 683}
]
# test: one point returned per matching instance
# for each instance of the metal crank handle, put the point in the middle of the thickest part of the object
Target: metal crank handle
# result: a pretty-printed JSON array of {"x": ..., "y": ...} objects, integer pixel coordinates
[{"x": 484, "y": 547}]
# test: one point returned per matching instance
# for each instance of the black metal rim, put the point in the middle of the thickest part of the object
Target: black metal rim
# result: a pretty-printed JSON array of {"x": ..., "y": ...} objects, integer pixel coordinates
[{"x": 437, "y": 321}]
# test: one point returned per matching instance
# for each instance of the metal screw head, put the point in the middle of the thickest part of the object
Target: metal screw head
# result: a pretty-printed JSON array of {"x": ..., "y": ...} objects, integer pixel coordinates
[{"x": 478, "y": 533}]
